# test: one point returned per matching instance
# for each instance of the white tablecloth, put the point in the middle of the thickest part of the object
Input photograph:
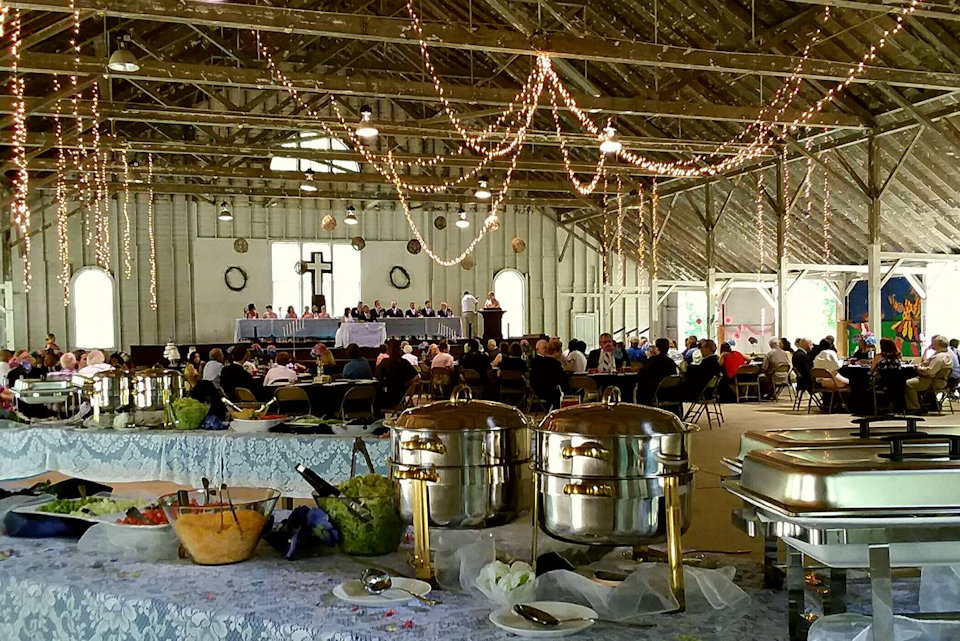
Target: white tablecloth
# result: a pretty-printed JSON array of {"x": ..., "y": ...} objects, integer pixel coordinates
[
  {"x": 265, "y": 460},
  {"x": 284, "y": 328},
  {"x": 363, "y": 334}
]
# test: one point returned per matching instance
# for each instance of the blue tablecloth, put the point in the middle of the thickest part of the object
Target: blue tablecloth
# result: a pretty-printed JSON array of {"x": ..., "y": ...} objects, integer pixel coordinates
[
  {"x": 282, "y": 328},
  {"x": 179, "y": 457},
  {"x": 51, "y": 591}
]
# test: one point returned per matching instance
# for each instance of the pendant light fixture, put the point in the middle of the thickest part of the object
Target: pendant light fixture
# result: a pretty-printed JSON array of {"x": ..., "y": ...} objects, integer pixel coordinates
[
  {"x": 483, "y": 189},
  {"x": 308, "y": 184},
  {"x": 122, "y": 60},
  {"x": 367, "y": 128},
  {"x": 225, "y": 214},
  {"x": 351, "y": 217},
  {"x": 462, "y": 221},
  {"x": 610, "y": 143}
]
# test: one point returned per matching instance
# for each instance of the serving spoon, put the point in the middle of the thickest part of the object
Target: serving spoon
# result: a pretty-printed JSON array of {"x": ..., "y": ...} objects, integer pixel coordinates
[
  {"x": 547, "y": 620},
  {"x": 377, "y": 582}
]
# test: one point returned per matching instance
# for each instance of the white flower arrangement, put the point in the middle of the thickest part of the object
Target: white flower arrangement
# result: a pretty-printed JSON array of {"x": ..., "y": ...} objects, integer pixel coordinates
[{"x": 508, "y": 584}]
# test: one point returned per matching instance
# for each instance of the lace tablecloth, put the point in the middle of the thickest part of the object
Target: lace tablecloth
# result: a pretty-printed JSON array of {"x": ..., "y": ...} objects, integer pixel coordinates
[
  {"x": 180, "y": 457},
  {"x": 51, "y": 591},
  {"x": 363, "y": 334}
]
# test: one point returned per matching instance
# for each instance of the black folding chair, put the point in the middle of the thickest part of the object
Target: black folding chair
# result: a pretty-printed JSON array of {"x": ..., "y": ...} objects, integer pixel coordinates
[{"x": 707, "y": 403}]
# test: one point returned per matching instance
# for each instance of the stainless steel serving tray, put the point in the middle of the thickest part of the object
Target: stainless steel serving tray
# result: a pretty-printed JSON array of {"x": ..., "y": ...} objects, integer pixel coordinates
[
  {"x": 862, "y": 481},
  {"x": 37, "y": 392}
]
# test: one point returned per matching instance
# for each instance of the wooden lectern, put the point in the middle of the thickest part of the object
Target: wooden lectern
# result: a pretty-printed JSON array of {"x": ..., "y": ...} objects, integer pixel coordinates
[{"x": 492, "y": 324}]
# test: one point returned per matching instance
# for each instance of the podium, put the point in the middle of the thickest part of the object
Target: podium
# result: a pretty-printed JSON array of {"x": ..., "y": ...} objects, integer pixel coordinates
[{"x": 492, "y": 324}]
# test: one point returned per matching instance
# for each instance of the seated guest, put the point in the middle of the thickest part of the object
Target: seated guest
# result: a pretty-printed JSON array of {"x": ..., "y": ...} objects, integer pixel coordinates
[
  {"x": 96, "y": 362},
  {"x": 636, "y": 353},
  {"x": 280, "y": 373},
  {"x": 381, "y": 356},
  {"x": 547, "y": 378},
  {"x": 234, "y": 374},
  {"x": 68, "y": 367},
  {"x": 268, "y": 312},
  {"x": 366, "y": 315},
  {"x": 676, "y": 355},
  {"x": 603, "y": 358},
  {"x": 492, "y": 350},
  {"x": 443, "y": 357},
  {"x": 409, "y": 356},
  {"x": 323, "y": 356},
  {"x": 786, "y": 346},
  {"x": 323, "y": 312},
  {"x": 251, "y": 311},
  {"x": 394, "y": 311},
  {"x": 412, "y": 310},
  {"x": 575, "y": 361},
  {"x": 498, "y": 354},
  {"x": 865, "y": 347},
  {"x": 193, "y": 370},
  {"x": 357, "y": 367},
  {"x": 514, "y": 359},
  {"x": 827, "y": 359},
  {"x": 659, "y": 366},
  {"x": 475, "y": 359},
  {"x": 377, "y": 311},
  {"x": 428, "y": 352},
  {"x": 730, "y": 361},
  {"x": 802, "y": 364},
  {"x": 768, "y": 368},
  {"x": 347, "y": 316},
  {"x": 5, "y": 356},
  {"x": 211, "y": 371},
  {"x": 690, "y": 346},
  {"x": 887, "y": 369},
  {"x": 394, "y": 373},
  {"x": 355, "y": 312},
  {"x": 50, "y": 344},
  {"x": 935, "y": 366},
  {"x": 428, "y": 311},
  {"x": 954, "y": 352},
  {"x": 307, "y": 313},
  {"x": 291, "y": 312},
  {"x": 444, "y": 311},
  {"x": 700, "y": 374}
]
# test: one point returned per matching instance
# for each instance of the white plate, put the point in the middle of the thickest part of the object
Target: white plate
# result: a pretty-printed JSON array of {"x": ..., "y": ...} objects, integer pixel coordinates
[
  {"x": 254, "y": 426},
  {"x": 352, "y": 592},
  {"x": 506, "y": 619}
]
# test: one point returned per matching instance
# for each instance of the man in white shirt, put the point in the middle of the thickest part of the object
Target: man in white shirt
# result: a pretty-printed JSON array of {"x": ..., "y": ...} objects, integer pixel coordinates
[
  {"x": 393, "y": 311},
  {"x": 936, "y": 366},
  {"x": 211, "y": 371},
  {"x": 280, "y": 373},
  {"x": 468, "y": 308}
]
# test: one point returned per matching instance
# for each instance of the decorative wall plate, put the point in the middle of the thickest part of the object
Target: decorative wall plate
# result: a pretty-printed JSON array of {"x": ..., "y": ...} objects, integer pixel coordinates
[
  {"x": 241, "y": 245},
  {"x": 414, "y": 246}
]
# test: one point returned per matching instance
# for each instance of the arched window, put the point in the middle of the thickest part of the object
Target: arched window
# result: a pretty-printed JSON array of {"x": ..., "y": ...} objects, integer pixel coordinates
[
  {"x": 93, "y": 319},
  {"x": 510, "y": 289}
]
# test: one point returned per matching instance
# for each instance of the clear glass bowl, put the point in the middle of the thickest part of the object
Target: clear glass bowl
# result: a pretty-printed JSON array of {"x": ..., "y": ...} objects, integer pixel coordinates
[{"x": 212, "y": 532}]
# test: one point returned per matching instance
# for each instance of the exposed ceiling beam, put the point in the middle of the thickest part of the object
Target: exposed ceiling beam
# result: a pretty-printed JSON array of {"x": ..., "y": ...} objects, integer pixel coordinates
[
  {"x": 460, "y": 36},
  {"x": 882, "y": 7},
  {"x": 259, "y": 79}
]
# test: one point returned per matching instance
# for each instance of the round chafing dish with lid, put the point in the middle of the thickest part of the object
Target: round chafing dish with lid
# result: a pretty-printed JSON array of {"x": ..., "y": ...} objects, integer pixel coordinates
[
  {"x": 148, "y": 387},
  {"x": 473, "y": 454},
  {"x": 603, "y": 469},
  {"x": 111, "y": 389}
]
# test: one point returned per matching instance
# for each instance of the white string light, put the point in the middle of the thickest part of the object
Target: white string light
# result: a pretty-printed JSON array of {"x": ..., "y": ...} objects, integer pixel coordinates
[
  {"x": 641, "y": 236},
  {"x": 827, "y": 249},
  {"x": 20, "y": 208},
  {"x": 761, "y": 231},
  {"x": 63, "y": 239},
  {"x": 655, "y": 231},
  {"x": 125, "y": 214},
  {"x": 151, "y": 234}
]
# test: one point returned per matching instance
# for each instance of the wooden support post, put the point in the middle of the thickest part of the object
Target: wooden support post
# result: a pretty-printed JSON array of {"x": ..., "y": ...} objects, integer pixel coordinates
[
  {"x": 874, "y": 277},
  {"x": 781, "y": 320},
  {"x": 710, "y": 225}
]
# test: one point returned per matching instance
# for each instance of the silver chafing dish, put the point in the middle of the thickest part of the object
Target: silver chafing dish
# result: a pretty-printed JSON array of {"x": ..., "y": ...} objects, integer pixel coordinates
[
  {"x": 461, "y": 463},
  {"x": 43, "y": 392},
  {"x": 868, "y": 506},
  {"x": 108, "y": 391},
  {"x": 612, "y": 473},
  {"x": 151, "y": 390}
]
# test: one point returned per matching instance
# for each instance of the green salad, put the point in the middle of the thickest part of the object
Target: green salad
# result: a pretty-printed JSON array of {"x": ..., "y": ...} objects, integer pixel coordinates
[
  {"x": 380, "y": 534},
  {"x": 89, "y": 506},
  {"x": 189, "y": 413}
]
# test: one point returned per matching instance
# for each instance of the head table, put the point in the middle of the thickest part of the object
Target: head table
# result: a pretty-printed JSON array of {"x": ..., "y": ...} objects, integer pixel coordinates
[
  {"x": 182, "y": 457},
  {"x": 264, "y": 329}
]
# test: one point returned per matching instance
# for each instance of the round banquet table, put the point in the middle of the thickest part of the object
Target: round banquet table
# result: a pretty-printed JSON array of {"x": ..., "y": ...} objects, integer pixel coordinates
[
  {"x": 626, "y": 382},
  {"x": 325, "y": 398},
  {"x": 860, "y": 401}
]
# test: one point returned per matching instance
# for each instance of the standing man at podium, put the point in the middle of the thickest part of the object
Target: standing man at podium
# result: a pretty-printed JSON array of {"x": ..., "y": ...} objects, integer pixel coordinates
[{"x": 468, "y": 308}]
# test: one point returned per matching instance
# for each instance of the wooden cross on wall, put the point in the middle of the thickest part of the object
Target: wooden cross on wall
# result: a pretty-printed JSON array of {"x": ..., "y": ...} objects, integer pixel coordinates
[{"x": 317, "y": 267}]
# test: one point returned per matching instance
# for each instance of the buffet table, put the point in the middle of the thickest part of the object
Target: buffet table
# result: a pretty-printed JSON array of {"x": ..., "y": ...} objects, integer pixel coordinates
[
  {"x": 49, "y": 590},
  {"x": 182, "y": 457},
  {"x": 283, "y": 328}
]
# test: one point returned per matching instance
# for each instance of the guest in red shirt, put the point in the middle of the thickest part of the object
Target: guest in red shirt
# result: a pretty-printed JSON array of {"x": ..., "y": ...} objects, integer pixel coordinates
[{"x": 731, "y": 360}]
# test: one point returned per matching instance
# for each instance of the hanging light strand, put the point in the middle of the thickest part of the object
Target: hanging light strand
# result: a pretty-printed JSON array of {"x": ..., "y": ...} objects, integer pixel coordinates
[
  {"x": 785, "y": 186},
  {"x": 761, "y": 230},
  {"x": 582, "y": 188},
  {"x": 655, "y": 231},
  {"x": 63, "y": 239},
  {"x": 641, "y": 235},
  {"x": 827, "y": 249},
  {"x": 621, "y": 274},
  {"x": 151, "y": 234},
  {"x": 125, "y": 214},
  {"x": 20, "y": 208},
  {"x": 605, "y": 246}
]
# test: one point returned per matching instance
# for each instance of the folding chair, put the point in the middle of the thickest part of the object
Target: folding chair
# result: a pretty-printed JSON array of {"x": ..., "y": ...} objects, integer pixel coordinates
[
  {"x": 667, "y": 394},
  {"x": 586, "y": 387},
  {"x": 747, "y": 378},
  {"x": 816, "y": 375},
  {"x": 707, "y": 403},
  {"x": 474, "y": 380},
  {"x": 513, "y": 387},
  {"x": 358, "y": 402},
  {"x": 292, "y": 400},
  {"x": 781, "y": 381},
  {"x": 441, "y": 382}
]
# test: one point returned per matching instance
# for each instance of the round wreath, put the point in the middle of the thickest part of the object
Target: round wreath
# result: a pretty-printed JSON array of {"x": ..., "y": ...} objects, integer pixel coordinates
[
  {"x": 403, "y": 284},
  {"x": 243, "y": 278}
]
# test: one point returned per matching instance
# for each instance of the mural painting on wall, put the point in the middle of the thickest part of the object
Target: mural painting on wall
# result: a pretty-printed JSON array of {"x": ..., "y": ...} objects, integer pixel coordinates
[{"x": 901, "y": 313}]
